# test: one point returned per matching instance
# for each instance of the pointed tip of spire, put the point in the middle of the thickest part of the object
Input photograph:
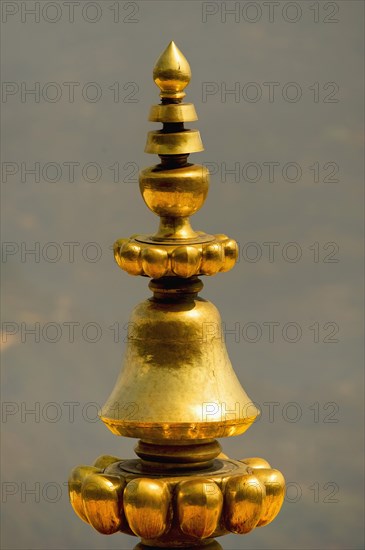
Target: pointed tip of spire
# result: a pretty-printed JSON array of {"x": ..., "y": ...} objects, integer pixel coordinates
[{"x": 172, "y": 72}]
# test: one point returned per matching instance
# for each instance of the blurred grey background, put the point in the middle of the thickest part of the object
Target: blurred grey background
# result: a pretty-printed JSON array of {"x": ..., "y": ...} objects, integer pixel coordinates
[{"x": 293, "y": 134}]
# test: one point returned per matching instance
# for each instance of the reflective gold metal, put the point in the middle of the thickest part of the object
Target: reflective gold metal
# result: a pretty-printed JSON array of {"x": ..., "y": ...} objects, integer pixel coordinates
[
  {"x": 159, "y": 143},
  {"x": 172, "y": 73},
  {"x": 172, "y": 112},
  {"x": 177, "y": 390}
]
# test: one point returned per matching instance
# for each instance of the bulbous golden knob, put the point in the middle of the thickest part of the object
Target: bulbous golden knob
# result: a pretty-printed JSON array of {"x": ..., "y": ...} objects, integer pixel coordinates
[{"x": 177, "y": 192}]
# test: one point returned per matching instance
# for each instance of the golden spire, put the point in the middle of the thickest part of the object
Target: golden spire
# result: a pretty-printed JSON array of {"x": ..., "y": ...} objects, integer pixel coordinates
[
  {"x": 172, "y": 72},
  {"x": 177, "y": 389},
  {"x": 174, "y": 189}
]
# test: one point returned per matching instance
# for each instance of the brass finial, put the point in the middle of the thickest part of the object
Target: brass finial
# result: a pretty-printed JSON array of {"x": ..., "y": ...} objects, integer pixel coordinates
[
  {"x": 174, "y": 190},
  {"x": 177, "y": 390},
  {"x": 172, "y": 72}
]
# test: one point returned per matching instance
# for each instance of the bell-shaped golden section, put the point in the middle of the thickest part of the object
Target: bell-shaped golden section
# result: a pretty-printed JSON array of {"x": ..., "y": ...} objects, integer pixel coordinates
[{"x": 177, "y": 381}]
